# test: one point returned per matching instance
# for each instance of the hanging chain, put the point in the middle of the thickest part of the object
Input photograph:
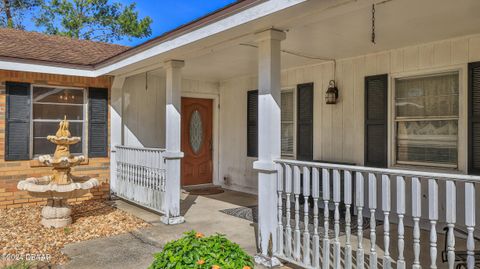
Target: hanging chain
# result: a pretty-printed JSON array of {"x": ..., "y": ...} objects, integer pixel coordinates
[{"x": 373, "y": 24}]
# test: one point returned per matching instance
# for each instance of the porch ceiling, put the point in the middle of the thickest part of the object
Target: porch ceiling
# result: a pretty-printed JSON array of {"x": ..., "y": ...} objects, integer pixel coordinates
[{"x": 338, "y": 30}]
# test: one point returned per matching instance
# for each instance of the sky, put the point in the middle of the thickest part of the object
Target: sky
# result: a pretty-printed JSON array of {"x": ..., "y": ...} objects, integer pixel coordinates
[{"x": 169, "y": 14}]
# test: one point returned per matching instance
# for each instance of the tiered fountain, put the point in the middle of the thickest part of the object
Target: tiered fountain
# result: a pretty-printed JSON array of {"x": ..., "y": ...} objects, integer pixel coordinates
[{"x": 61, "y": 185}]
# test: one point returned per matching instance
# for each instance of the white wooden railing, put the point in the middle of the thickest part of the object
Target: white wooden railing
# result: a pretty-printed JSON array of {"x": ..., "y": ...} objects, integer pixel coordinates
[
  {"x": 352, "y": 190},
  {"x": 141, "y": 176}
]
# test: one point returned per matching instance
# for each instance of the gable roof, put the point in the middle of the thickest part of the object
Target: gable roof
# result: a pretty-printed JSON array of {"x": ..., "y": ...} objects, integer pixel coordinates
[{"x": 24, "y": 45}]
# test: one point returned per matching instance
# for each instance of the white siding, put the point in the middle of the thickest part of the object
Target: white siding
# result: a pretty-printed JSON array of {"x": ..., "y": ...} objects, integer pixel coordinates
[
  {"x": 338, "y": 129},
  {"x": 144, "y": 107}
]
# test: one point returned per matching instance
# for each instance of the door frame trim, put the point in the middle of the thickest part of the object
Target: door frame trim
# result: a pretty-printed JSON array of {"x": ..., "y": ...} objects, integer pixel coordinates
[{"x": 215, "y": 129}]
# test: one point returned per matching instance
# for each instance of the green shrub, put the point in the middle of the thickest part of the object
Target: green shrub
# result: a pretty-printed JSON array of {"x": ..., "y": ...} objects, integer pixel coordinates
[{"x": 199, "y": 252}]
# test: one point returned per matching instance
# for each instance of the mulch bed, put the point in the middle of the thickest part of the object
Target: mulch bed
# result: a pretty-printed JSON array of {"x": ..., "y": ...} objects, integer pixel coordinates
[{"x": 21, "y": 233}]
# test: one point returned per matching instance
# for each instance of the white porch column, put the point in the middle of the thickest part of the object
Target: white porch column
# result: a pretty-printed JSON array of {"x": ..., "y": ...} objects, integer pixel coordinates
[
  {"x": 172, "y": 142},
  {"x": 116, "y": 127},
  {"x": 268, "y": 140}
]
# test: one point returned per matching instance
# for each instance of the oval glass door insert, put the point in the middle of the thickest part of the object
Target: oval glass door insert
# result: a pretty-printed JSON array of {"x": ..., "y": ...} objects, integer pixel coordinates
[{"x": 196, "y": 131}]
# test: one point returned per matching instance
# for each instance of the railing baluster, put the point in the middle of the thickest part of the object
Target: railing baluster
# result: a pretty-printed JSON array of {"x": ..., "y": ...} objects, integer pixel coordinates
[
  {"x": 386, "y": 203},
  {"x": 298, "y": 240},
  {"x": 316, "y": 237},
  {"x": 279, "y": 208},
  {"x": 296, "y": 191},
  {"x": 416, "y": 214},
  {"x": 347, "y": 177},
  {"x": 433, "y": 217},
  {"x": 359, "y": 202},
  {"x": 288, "y": 228},
  {"x": 451, "y": 218},
  {"x": 372, "y": 204},
  {"x": 306, "y": 233},
  {"x": 140, "y": 175},
  {"x": 336, "y": 201},
  {"x": 326, "y": 198},
  {"x": 470, "y": 222},
  {"x": 401, "y": 215}
]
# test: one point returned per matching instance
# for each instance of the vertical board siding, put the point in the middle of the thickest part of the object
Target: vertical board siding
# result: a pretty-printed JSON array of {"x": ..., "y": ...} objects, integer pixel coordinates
[
  {"x": 348, "y": 108},
  {"x": 338, "y": 129}
]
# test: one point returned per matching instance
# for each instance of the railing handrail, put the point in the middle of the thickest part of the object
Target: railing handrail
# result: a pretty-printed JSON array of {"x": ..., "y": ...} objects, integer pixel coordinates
[
  {"x": 396, "y": 172},
  {"x": 140, "y": 148}
]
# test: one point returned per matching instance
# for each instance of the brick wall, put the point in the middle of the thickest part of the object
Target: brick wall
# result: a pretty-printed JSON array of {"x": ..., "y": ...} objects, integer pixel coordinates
[{"x": 13, "y": 171}]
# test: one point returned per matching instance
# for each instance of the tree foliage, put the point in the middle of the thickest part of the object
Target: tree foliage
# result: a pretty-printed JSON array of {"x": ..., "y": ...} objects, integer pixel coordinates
[
  {"x": 12, "y": 12},
  {"x": 99, "y": 20}
]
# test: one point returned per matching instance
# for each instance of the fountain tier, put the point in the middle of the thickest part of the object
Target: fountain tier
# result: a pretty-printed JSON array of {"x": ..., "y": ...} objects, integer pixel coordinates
[{"x": 61, "y": 185}]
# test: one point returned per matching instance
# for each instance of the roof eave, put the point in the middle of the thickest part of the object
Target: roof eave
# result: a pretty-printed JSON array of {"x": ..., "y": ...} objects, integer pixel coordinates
[{"x": 39, "y": 66}]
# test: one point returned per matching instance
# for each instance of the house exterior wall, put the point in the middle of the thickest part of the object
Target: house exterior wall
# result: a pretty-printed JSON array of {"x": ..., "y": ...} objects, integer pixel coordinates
[
  {"x": 144, "y": 107},
  {"x": 13, "y": 171},
  {"x": 339, "y": 129}
]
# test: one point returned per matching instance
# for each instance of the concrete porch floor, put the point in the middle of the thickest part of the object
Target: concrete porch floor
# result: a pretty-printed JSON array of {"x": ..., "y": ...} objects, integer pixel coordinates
[{"x": 135, "y": 250}]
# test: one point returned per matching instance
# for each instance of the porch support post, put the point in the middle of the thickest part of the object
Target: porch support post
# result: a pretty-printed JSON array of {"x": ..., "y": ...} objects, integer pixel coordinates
[
  {"x": 172, "y": 142},
  {"x": 268, "y": 142},
  {"x": 116, "y": 127}
]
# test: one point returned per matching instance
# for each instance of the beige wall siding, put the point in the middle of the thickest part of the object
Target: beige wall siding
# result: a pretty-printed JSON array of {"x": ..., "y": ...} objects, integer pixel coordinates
[
  {"x": 338, "y": 129},
  {"x": 235, "y": 167},
  {"x": 144, "y": 111}
]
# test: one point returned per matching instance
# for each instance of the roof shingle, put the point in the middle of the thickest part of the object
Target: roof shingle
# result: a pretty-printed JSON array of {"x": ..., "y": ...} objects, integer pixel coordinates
[{"x": 35, "y": 46}]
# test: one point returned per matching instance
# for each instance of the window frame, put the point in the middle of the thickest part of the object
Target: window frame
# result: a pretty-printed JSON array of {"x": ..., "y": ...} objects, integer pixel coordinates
[
  {"x": 292, "y": 89},
  {"x": 461, "y": 120},
  {"x": 84, "y": 125}
]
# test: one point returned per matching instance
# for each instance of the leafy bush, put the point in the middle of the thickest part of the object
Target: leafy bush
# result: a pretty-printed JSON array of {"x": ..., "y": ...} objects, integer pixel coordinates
[{"x": 199, "y": 252}]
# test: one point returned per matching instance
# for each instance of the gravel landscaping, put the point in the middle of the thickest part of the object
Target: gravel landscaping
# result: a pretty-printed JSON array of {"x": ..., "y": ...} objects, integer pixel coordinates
[{"x": 22, "y": 235}]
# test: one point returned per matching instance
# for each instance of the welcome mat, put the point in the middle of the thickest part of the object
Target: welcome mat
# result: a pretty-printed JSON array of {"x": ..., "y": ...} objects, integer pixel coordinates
[
  {"x": 206, "y": 191},
  {"x": 250, "y": 213}
]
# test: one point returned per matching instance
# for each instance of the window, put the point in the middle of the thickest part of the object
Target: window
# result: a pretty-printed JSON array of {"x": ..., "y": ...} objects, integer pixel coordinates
[
  {"x": 49, "y": 106},
  {"x": 289, "y": 112},
  {"x": 288, "y": 123},
  {"x": 426, "y": 120}
]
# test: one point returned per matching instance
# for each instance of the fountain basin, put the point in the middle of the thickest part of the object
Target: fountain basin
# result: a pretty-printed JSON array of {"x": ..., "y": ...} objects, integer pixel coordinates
[
  {"x": 43, "y": 188},
  {"x": 63, "y": 140},
  {"x": 61, "y": 185},
  {"x": 63, "y": 162},
  {"x": 57, "y": 212}
]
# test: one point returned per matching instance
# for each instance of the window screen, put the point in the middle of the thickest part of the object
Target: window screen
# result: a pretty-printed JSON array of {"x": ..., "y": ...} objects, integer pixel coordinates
[
  {"x": 49, "y": 106},
  {"x": 427, "y": 120}
]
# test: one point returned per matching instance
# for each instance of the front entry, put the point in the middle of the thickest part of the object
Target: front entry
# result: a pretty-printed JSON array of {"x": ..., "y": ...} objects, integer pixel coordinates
[{"x": 197, "y": 144}]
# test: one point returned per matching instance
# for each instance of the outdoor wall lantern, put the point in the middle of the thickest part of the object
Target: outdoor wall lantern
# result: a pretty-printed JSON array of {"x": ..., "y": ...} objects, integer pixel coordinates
[{"x": 331, "y": 95}]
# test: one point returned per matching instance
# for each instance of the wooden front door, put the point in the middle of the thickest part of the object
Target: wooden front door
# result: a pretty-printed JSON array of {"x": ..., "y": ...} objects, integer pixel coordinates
[{"x": 197, "y": 164}]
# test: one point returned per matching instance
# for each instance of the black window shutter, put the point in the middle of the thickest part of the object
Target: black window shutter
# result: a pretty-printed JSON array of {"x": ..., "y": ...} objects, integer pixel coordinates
[
  {"x": 376, "y": 94},
  {"x": 98, "y": 122},
  {"x": 474, "y": 118},
  {"x": 252, "y": 123},
  {"x": 305, "y": 122},
  {"x": 17, "y": 128}
]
